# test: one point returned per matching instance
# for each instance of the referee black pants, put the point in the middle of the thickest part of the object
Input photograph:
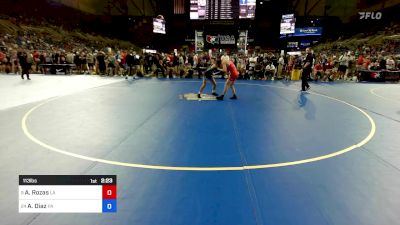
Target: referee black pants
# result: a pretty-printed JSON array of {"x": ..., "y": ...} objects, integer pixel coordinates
[{"x": 304, "y": 79}]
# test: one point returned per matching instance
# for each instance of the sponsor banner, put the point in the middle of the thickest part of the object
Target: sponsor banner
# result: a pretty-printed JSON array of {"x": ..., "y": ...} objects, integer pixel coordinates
[
  {"x": 220, "y": 40},
  {"x": 308, "y": 31},
  {"x": 304, "y": 31},
  {"x": 305, "y": 44},
  {"x": 293, "y": 44}
]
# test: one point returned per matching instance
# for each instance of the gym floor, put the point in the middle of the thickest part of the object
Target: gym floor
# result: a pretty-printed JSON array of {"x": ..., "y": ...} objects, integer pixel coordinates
[{"x": 274, "y": 156}]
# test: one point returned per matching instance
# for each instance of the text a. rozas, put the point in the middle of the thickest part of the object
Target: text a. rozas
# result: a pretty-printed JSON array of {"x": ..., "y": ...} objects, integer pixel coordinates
[{"x": 38, "y": 192}]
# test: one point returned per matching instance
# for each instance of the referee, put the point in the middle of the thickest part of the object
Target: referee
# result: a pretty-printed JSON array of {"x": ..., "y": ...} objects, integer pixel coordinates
[{"x": 307, "y": 69}]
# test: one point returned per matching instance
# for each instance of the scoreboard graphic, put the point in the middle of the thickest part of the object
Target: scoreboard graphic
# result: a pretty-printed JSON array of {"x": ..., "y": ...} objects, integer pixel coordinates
[{"x": 67, "y": 194}]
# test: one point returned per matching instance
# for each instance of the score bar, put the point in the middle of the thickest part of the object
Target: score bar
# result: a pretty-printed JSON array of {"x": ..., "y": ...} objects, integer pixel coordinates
[{"x": 67, "y": 194}]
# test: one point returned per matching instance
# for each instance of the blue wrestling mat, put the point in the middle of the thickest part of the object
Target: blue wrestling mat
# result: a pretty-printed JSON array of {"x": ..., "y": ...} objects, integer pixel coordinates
[{"x": 273, "y": 156}]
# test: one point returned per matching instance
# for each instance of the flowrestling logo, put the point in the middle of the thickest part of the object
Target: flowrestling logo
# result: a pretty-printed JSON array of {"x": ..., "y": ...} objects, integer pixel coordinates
[
  {"x": 370, "y": 15},
  {"x": 221, "y": 39}
]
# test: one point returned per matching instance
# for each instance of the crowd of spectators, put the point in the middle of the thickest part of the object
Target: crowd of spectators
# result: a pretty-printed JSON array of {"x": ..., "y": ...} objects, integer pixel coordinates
[{"x": 32, "y": 49}]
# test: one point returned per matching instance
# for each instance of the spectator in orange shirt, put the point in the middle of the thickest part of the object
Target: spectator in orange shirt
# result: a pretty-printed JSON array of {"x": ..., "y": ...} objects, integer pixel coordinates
[{"x": 366, "y": 62}]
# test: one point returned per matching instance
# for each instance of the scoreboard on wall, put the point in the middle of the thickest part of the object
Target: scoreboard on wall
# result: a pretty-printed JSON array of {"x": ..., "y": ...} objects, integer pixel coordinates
[
  {"x": 222, "y": 9},
  {"x": 67, "y": 194}
]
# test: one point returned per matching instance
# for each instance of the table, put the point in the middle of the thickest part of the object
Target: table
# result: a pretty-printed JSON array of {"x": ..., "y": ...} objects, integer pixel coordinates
[
  {"x": 378, "y": 75},
  {"x": 66, "y": 68}
]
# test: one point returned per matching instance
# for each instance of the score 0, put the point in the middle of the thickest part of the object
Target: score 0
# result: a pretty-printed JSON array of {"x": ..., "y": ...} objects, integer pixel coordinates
[{"x": 109, "y": 198}]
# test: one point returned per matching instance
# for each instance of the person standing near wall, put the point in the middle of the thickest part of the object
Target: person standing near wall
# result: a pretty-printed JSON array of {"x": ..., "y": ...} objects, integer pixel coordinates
[
  {"x": 307, "y": 69},
  {"x": 25, "y": 66}
]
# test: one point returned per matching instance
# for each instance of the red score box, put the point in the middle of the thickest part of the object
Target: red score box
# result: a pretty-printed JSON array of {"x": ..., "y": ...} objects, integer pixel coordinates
[{"x": 109, "y": 191}]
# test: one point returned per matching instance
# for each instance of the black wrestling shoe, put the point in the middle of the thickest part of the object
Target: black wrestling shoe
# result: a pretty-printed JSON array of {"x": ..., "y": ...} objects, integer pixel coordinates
[
  {"x": 198, "y": 95},
  {"x": 233, "y": 97},
  {"x": 221, "y": 97},
  {"x": 215, "y": 94}
]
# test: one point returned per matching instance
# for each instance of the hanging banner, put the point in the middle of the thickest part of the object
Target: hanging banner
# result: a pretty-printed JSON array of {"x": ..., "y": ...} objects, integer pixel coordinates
[
  {"x": 199, "y": 41},
  {"x": 242, "y": 41}
]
